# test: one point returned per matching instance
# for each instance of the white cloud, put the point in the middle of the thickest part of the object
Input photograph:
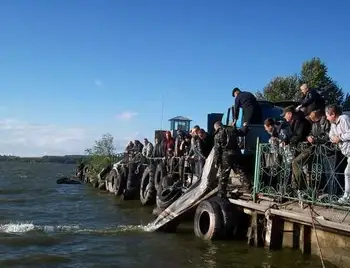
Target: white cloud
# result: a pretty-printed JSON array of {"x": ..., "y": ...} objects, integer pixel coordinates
[
  {"x": 26, "y": 139},
  {"x": 127, "y": 115},
  {"x": 98, "y": 83}
]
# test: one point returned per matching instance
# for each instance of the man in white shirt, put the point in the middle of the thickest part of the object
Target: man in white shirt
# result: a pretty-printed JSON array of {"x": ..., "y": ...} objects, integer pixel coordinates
[
  {"x": 340, "y": 134},
  {"x": 147, "y": 150}
]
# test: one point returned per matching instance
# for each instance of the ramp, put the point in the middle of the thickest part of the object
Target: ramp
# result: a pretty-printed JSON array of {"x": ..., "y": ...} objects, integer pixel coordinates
[{"x": 199, "y": 191}]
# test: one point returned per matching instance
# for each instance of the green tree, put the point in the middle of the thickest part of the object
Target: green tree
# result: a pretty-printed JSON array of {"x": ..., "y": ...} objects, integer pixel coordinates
[
  {"x": 281, "y": 89},
  {"x": 315, "y": 73},
  {"x": 346, "y": 102},
  {"x": 102, "y": 154}
]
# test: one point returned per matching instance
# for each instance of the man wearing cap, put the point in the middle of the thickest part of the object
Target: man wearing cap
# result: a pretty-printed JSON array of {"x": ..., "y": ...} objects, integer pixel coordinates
[
  {"x": 318, "y": 135},
  {"x": 250, "y": 106},
  {"x": 299, "y": 125}
]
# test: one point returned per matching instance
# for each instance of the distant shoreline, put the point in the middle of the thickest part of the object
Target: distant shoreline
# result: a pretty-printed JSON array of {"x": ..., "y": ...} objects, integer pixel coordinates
[{"x": 65, "y": 159}]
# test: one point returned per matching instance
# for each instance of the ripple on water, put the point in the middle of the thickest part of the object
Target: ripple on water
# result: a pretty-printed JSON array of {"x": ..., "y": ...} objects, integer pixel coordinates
[
  {"x": 18, "y": 228},
  {"x": 35, "y": 260}
]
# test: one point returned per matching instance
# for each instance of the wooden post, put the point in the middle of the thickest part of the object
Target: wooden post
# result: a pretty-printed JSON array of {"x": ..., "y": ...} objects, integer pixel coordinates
[
  {"x": 274, "y": 232},
  {"x": 296, "y": 236},
  {"x": 305, "y": 239},
  {"x": 255, "y": 231}
]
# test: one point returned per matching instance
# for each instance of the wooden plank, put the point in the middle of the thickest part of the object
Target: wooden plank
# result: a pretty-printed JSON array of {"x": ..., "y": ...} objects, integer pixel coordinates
[{"x": 294, "y": 216}]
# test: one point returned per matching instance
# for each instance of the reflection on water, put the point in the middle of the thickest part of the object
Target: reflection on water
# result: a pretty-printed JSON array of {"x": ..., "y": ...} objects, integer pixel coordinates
[{"x": 43, "y": 224}]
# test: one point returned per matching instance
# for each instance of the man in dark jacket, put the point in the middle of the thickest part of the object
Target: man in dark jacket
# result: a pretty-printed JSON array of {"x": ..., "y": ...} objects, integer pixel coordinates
[
  {"x": 279, "y": 131},
  {"x": 318, "y": 135},
  {"x": 299, "y": 125},
  {"x": 158, "y": 148},
  {"x": 250, "y": 106},
  {"x": 227, "y": 155},
  {"x": 311, "y": 100},
  {"x": 206, "y": 142}
]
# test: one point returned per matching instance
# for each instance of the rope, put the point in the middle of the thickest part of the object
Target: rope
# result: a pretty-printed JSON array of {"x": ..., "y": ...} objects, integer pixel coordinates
[{"x": 318, "y": 243}]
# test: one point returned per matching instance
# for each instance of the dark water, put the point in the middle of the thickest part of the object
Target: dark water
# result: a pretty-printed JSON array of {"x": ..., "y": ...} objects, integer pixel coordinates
[{"x": 43, "y": 224}]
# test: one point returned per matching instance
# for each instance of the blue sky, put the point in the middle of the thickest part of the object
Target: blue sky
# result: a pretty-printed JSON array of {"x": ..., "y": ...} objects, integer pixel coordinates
[{"x": 73, "y": 70}]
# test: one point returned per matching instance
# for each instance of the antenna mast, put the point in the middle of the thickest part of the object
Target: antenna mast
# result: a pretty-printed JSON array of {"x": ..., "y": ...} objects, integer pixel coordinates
[{"x": 161, "y": 119}]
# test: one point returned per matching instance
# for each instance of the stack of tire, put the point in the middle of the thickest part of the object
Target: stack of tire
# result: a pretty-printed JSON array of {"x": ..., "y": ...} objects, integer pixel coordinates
[
  {"x": 132, "y": 185},
  {"x": 218, "y": 218},
  {"x": 160, "y": 188},
  {"x": 116, "y": 180}
]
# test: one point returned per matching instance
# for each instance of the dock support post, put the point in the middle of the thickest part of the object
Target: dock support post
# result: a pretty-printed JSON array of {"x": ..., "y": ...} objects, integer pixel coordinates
[
  {"x": 274, "y": 232},
  {"x": 305, "y": 239},
  {"x": 255, "y": 231},
  {"x": 296, "y": 236}
]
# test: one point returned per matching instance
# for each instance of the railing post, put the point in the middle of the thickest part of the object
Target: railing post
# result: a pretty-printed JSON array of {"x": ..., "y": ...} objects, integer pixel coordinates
[{"x": 256, "y": 169}]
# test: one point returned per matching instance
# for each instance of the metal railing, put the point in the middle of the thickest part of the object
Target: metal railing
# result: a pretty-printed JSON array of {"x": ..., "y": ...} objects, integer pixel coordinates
[{"x": 307, "y": 173}]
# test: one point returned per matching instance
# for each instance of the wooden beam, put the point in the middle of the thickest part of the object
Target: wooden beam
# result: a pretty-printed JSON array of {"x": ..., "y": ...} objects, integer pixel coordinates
[{"x": 294, "y": 216}]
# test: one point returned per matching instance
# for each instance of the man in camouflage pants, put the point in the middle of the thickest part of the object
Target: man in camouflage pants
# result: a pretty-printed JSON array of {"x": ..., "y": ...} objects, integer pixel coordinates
[{"x": 227, "y": 155}]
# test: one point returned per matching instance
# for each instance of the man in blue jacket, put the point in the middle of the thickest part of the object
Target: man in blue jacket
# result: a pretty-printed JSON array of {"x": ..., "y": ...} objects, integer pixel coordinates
[{"x": 252, "y": 113}]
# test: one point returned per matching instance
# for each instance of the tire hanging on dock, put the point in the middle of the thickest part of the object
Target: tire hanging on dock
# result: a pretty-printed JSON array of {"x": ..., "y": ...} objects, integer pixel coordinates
[
  {"x": 148, "y": 192},
  {"x": 166, "y": 194},
  {"x": 208, "y": 221},
  {"x": 231, "y": 217},
  {"x": 118, "y": 181},
  {"x": 159, "y": 175},
  {"x": 132, "y": 189}
]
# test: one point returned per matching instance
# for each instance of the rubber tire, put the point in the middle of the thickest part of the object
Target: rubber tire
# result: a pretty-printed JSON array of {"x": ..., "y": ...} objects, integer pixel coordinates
[
  {"x": 166, "y": 182},
  {"x": 132, "y": 189},
  {"x": 148, "y": 193},
  {"x": 107, "y": 183},
  {"x": 231, "y": 216},
  {"x": 168, "y": 196},
  {"x": 208, "y": 213},
  {"x": 105, "y": 171},
  {"x": 95, "y": 184},
  {"x": 159, "y": 175},
  {"x": 118, "y": 181}
]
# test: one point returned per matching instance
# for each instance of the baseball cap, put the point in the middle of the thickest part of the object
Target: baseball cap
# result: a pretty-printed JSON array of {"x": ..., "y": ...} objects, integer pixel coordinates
[{"x": 289, "y": 109}]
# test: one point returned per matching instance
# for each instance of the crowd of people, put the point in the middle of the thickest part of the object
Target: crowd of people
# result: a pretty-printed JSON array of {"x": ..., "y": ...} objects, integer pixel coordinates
[
  {"x": 311, "y": 122},
  {"x": 198, "y": 143}
]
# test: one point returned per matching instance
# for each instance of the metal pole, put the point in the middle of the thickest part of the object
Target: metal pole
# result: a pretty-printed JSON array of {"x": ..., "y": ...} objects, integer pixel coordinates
[{"x": 161, "y": 120}]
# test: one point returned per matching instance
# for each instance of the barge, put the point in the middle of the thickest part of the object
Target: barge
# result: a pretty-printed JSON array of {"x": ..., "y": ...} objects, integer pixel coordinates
[{"x": 272, "y": 215}]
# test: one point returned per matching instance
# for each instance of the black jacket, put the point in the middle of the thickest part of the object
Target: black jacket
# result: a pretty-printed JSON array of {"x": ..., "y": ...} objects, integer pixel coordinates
[
  {"x": 313, "y": 98},
  {"x": 158, "y": 150},
  {"x": 320, "y": 130},
  {"x": 300, "y": 128},
  {"x": 244, "y": 100},
  {"x": 206, "y": 145},
  {"x": 282, "y": 132}
]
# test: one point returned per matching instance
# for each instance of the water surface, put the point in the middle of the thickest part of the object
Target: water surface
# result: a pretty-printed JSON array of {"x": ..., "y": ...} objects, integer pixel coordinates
[{"x": 44, "y": 224}]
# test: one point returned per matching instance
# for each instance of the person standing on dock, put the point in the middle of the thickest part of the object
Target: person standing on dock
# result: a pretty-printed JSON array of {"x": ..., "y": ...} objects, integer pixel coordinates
[
  {"x": 250, "y": 106},
  {"x": 318, "y": 135},
  {"x": 340, "y": 134},
  {"x": 227, "y": 155},
  {"x": 147, "y": 149}
]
